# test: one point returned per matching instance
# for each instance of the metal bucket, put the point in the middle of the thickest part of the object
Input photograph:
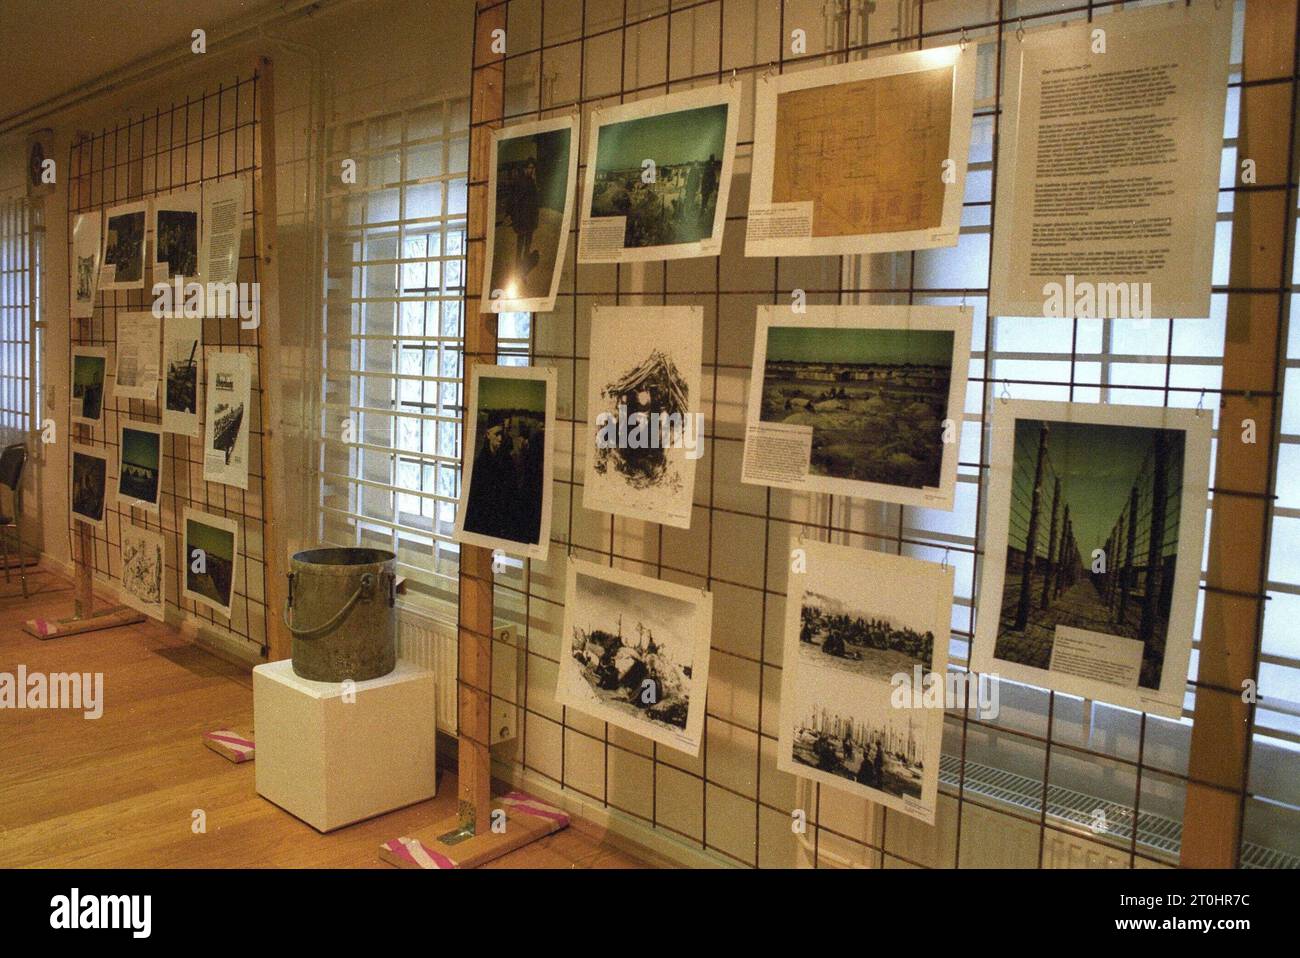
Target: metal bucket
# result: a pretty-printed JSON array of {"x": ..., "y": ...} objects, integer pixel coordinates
[{"x": 342, "y": 612}]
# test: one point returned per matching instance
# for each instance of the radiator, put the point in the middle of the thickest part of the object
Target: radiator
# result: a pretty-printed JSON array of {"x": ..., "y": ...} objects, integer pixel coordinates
[{"x": 430, "y": 643}]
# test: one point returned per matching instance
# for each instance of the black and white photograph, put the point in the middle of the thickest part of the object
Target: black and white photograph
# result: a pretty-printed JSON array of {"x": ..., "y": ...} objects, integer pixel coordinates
[
  {"x": 859, "y": 627},
  {"x": 182, "y": 362},
  {"x": 89, "y": 373},
  {"x": 176, "y": 236},
  {"x": 635, "y": 653},
  {"x": 139, "y": 482},
  {"x": 658, "y": 177},
  {"x": 211, "y": 550},
  {"x": 1097, "y": 519},
  {"x": 143, "y": 568},
  {"x": 505, "y": 494},
  {"x": 123, "y": 257},
  {"x": 859, "y": 401},
  {"x": 84, "y": 263},
  {"x": 645, "y": 417},
  {"x": 136, "y": 375},
  {"x": 225, "y": 451},
  {"x": 89, "y": 482},
  {"x": 530, "y": 205}
]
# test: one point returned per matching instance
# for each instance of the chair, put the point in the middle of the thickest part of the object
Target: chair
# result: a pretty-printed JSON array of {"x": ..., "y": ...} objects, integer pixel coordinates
[{"x": 12, "y": 461}]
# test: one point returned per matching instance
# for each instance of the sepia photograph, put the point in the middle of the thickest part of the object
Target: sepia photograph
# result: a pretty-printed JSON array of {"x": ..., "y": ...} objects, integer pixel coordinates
[
  {"x": 123, "y": 257},
  {"x": 867, "y": 156},
  {"x": 530, "y": 205},
  {"x": 176, "y": 236},
  {"x": 658, "y": 174},
  {"x": 637, "y": 653},
  {"x": 89, "y": 481},
  {"x": 140, "y": 464},
  {"x": 211, "y": 546},
  {"x": 644, "y": 412},
  {"x": 143, "y": 568},
  {"x": 874, "y": 393},
  {"x": 858, "y": 626},
  {"x": 505, "y": 496},
  {"x": 89, "y": 365},
  {"x": 182, "y": 359},
  {"x": 1096, "y": 531}
]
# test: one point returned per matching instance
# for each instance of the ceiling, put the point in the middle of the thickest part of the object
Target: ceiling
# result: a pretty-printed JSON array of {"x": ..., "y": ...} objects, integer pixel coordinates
[{"x": 48, "y": 47}]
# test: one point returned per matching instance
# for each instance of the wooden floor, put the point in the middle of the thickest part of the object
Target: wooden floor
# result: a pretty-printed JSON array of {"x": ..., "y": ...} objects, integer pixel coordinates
[{"x": 120, "y": 791}]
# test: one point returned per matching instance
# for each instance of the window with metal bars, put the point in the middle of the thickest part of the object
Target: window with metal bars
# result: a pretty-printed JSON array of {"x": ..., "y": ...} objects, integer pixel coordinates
[{"x": 20, "y": 269}]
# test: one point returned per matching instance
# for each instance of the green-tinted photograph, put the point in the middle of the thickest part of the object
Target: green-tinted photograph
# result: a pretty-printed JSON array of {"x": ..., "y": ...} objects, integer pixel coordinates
[
  {"x": 675, "y": 201},
  {"x": 210, "y": 561},
  {"x": 506, "y": 484},
  {"x": 1092, "y": 538},
  {"x": 876, "y": 399},
  {"x": 87, "y": 387},
  {"x": 141, "y": 465}
]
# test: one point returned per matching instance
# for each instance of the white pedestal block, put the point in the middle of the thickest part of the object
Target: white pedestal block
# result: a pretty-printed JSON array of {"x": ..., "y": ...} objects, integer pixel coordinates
[{"x": 331, "y": 762}]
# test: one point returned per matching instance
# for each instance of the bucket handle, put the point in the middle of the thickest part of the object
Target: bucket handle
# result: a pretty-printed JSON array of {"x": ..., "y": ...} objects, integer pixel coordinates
[{"x": 367, "y": 582}]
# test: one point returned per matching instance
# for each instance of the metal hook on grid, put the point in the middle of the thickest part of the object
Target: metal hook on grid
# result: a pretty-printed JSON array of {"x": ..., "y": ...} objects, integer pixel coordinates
[
  {"x": 733, "y": 77},
  {"x": 1200, "y": 403},
  {"x": 767, "y": 71},
  {"x": 1020, "y": 30},
  {"x": 1006, "y": 393},
  {"x": 944, "y": 565},
  {"x": 961, "y": 42}
]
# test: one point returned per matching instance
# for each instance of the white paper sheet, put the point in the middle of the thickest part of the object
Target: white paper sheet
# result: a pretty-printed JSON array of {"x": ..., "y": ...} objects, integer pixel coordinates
[
  {"x": 136, "y": 375},
  {"x": 228, "y": 414},
  {"x": 634, "y": 652},
  {"x": 645, "y": 368},
  {"x": 223, "y": 225},
  {"x": 1109, "y": 165},
  {"x": 144, "y": 580}
]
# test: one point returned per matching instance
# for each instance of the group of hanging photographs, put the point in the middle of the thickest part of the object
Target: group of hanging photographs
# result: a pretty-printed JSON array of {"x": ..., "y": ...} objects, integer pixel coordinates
[
  {"x": 1095, "y": 513},
  {"x": 196, "y": 239}
]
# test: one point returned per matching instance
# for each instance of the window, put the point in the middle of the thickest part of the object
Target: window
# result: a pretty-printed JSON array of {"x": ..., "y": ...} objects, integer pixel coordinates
[
  {"x": 394, "y": 245},
  {"x": 20, "y": 268}
]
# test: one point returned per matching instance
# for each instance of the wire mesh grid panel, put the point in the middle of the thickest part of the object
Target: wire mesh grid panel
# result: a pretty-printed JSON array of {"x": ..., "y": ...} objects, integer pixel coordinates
[
  {"x": 210, "y": 137},
  {"x": 1050, "y": 779}
]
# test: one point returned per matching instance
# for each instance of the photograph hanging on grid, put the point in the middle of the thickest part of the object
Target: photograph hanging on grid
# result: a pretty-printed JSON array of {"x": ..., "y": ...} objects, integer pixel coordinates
[
  {"x": 176, "y": 236},
  {"x": 225, "y": 453},
  {"x": 861, "y": 401},
  {"x": 211, "y": 551},
  {"x": 644, "y": 412},
  {"x": 862, "y": 157},
  {"x": 89, "y": 482},
  {"x": 84, "y": 277},
  {"x": 658, "y": 176},
  {"x": 1107, "y": 206},
  {"x": 143, "y": 568},
  {"x": 139, "y": 474},
  {"x": 635, "y": 653},
  {"x": 532, "y": 175},
  {"x": 89, "y": 366},
  {"x": 505, "y": 490},
  {"x": 1093, "y": 559},
  {"x": 122, "y": 261},
  {"x": 136, "y": 375},
  {"x": 866, "y": 648},
  {"x": 182, "y": 361}
]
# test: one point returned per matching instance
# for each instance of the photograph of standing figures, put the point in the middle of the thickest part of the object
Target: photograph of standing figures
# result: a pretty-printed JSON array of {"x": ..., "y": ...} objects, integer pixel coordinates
[
  {"x": 861, "y": 401},
  {"x": 225, "y": 453},
  {"x": 1096, "y": 531},
  {"x": 176, "y": 236},
  {"x": 861, "y": 629},
  {"x": 530, "y": 207},
  {"x": 505, "y": 492},
  {"x": 644, "y": 412},
  {"x": 658, "y": 176},
  {"x": 635, "y": 653},
  {"x": 123, "y": 257},
  {"x": 89, "y": 366}
]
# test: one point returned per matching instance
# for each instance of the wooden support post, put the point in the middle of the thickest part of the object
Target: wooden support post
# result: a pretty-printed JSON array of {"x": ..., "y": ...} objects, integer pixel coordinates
[
  {"x": 1219, "y": 760},
  {"x": 274, "y": 479},
  {"x": 482, "y": 829}
]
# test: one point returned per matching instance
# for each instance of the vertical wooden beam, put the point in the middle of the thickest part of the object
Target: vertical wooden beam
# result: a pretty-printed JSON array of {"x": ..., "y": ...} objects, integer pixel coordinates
[
  {"x": 1218, "y": 764},
  {"x": 274, "y": 479},
  {"x": 474, "y": 674}
]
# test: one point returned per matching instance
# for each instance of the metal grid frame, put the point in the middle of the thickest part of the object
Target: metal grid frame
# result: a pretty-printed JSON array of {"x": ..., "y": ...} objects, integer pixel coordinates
[
  {"x": 527, "y": 597},
  {"x": 212, "y": 135}
]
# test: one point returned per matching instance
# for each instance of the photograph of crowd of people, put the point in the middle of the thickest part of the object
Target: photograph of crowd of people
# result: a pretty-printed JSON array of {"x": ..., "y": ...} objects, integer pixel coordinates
[
  {"x": 176, "y": 235},
  {"x": 124, "y": 246}
]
